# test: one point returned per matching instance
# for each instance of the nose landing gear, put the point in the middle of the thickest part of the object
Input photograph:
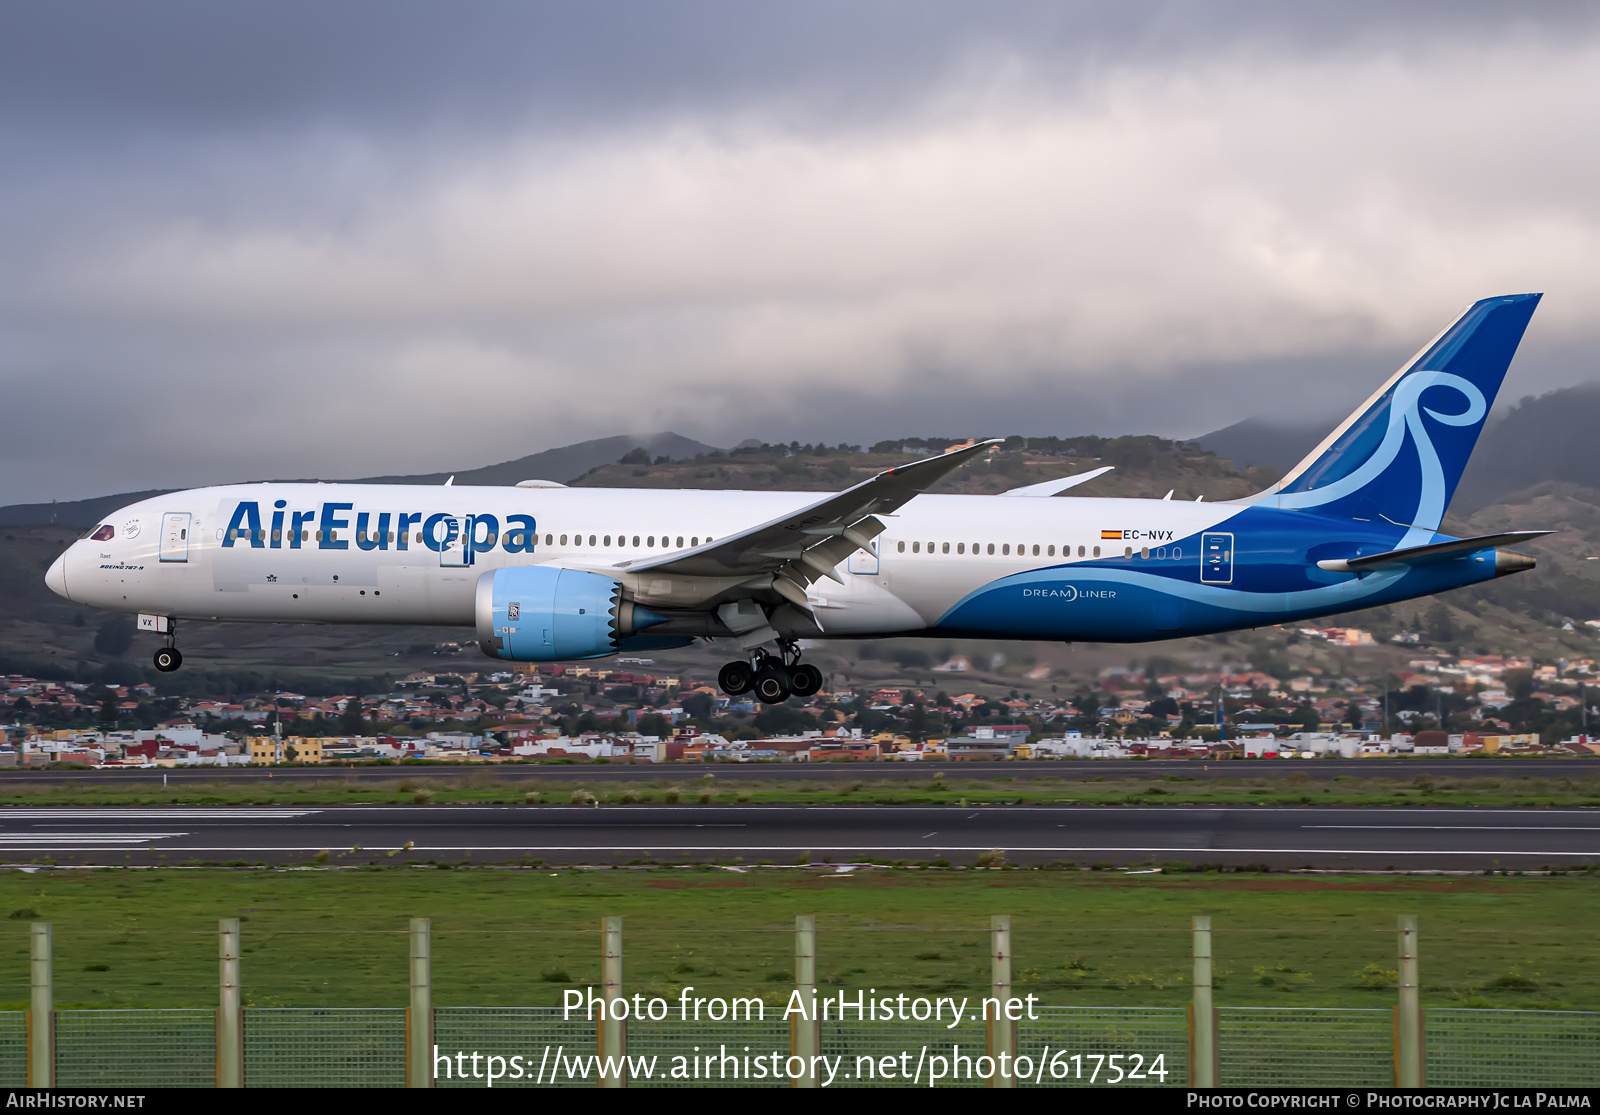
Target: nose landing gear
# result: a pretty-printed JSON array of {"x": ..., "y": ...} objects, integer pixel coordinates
[
  {"x": 169, "y": 658},
  {"x": 773, "y": 678}
]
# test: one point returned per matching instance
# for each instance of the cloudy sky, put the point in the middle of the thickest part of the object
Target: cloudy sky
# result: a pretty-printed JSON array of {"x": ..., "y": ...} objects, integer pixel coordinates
[{"x": 291, "y": 238}]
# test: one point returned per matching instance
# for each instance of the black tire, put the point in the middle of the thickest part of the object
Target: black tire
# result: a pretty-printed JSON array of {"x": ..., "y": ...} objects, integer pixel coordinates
[
  {"x": 772, "y": 685},
  {"x": 168, "y": 659},
  {"x": 736, "y": 678},
  {"x": 805, "y": 680}
]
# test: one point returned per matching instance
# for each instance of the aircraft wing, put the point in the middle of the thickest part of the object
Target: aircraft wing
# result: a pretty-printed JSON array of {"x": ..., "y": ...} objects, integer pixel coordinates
[
  {"x": 1421, "y": 555},
  {"x": 806, "y": 545},
  {"x": 1055, "y": 487}
]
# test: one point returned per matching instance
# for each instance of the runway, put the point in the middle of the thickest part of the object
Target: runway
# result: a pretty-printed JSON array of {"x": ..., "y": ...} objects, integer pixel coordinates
[
  {"x": 366, "y": 773},
  {"x": 1328, "y": 838}
]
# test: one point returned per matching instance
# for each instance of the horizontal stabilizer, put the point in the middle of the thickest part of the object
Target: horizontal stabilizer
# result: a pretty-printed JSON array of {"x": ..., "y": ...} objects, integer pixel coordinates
[
  {"x": 1422, "y": 555},
  {"x": 1055, "y": 487}
]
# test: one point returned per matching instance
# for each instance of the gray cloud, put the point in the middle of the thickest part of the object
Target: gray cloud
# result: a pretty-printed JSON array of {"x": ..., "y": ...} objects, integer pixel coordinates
[{"x": 276, "y": 240}]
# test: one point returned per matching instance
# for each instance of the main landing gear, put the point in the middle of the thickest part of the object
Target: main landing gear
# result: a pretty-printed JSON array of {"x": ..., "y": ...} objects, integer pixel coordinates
[
  {"x": 169, "y": 658},
  {"x": 772, "y": 678}
]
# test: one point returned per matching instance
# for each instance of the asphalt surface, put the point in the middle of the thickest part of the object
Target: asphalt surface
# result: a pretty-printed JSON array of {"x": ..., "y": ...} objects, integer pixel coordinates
[
  {"x": 847, "y": 771},
  {"x": 1407, "y": 839}
]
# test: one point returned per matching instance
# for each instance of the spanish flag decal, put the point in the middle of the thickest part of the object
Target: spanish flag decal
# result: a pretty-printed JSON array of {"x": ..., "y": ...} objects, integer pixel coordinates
[{"x": 1111, "y": 534}]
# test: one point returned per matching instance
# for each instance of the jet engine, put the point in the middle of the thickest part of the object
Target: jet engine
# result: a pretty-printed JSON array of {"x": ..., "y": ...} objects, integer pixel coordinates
[{"x": 539, "y": 613}]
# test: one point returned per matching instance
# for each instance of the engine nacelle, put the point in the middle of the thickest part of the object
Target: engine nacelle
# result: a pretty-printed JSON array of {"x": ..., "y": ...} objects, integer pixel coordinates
[{"x": 539, "y": 613}]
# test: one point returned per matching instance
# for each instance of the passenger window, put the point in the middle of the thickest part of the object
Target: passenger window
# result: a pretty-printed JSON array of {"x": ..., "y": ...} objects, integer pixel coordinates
[
  {"x": 946, "y": 548},
  {"x": 419, "y": 536},
  {"x": 1096, "y": 550},
  {"x": 1127, "y": 551},
  {"x": 608, "y": 540},
  {"x": 694, "y": 541},
  {"x": 991, "y": 547},
  {"x": 680, "y": 541},
  {"x": 319, "y": 536},
  {"x": 1036, "y": 550},
  {"x": 1005, "y": 549},
  {"x": 1177, "y": 554},
  {"x": 1144, "y": 552},
  {"x": 591, "y": 540},
  {"x": 916, "y": 547},
  {"x": 961, "y": 547},
  {"x": 549, "y": 540},
  {"x": 902, "y": 548},
  {"x": 563, "y": 540},
  {"x": 1161, "y": 552},
  {"x": 105, "y": 534},
  {"x": 1050, "y": 551},
  {"x": 636, "y": 541},
  {"x": 650, "y": 540}
]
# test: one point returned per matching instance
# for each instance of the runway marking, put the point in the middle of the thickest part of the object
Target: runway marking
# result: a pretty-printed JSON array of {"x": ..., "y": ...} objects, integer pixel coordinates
[
  {"x": 82, "y": 839},
  {"x": 178, "y": 813},
  {"x": 860, "y": 848},
  {"x": 1460, "y": 827}
]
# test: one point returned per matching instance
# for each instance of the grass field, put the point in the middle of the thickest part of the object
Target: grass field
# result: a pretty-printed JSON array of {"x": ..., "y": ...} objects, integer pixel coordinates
[
  {"x": 482, "y": 785},
  {"x": 507, "y": 936}
]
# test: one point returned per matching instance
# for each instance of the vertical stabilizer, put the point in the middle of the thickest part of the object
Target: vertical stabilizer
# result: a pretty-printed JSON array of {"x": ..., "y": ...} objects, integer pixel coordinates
[{"x": 1400, "y": 456}]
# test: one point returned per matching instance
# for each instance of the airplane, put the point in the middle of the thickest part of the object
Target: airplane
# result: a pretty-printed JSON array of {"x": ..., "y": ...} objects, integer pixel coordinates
[{"x": 548, "y": 573}]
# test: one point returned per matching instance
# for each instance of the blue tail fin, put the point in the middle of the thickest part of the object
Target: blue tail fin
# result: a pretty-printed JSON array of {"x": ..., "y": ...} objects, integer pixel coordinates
[{"x": 1399, "y": 457}]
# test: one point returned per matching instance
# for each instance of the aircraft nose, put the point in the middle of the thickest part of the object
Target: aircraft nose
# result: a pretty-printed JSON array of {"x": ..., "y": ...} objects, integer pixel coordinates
[{"x": 56, "y": 579}]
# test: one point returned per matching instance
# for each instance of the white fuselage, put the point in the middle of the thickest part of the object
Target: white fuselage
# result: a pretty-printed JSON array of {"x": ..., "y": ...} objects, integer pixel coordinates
[{"x": 349, "y": 553}]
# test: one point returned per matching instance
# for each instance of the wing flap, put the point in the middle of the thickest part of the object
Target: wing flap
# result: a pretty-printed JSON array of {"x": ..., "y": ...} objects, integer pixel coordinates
[{"x": 802, "y": 544}]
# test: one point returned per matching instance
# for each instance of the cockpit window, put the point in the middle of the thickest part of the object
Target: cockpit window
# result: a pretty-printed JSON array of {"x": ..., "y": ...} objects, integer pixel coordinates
[{"x": 105, "y": 533}]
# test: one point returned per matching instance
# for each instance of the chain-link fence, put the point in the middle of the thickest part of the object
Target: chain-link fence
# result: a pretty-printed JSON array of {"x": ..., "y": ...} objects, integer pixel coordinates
[
  {"x": 325, "y": 1047},
  {"x": 1085, "y": 1046},
  {"x": 1063, "y": 1046},
  {"x": 712, "y": 1054},
  {"x": 13, "y": 1048},
  {"x": 136, "y": 1048},
  {"x": 549, "y": 1051},
  {"x": 1305, "y": 1047},
  {"x": 1512, "y": 1048},
  {"x": 889, "y": 1054}
]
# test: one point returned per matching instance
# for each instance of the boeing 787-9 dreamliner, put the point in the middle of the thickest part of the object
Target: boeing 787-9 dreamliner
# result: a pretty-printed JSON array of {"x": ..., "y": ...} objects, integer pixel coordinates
[{"x": 549, "y": 573}]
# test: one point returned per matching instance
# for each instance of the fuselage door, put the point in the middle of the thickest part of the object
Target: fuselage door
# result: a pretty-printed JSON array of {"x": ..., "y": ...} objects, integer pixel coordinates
[
  {"x": 175, "y": 527},
  {"x": 453, "y": 548},
  {"x": 1216, "y": 559},
  {"x": 864, "y": 561}
]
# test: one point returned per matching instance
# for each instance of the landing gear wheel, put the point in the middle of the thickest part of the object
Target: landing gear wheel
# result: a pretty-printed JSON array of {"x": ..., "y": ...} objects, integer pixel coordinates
[
  {"x": 805, "y": 680},
  {"x": 736, "y": 678},
  {"x": 772, "y": 683},
  {"x": 168, "y": 659}
]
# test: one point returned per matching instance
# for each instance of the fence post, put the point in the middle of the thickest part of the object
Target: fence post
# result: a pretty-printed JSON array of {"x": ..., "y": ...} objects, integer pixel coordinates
[
  {"x": 419, "y": 1014},
  {"x": 230, "y": 1011},
  {"x": 1409, "y": 1069},
  {"x": 1002, "y": 1031},
  {"x": 1202, "y": 1012},
  {"x": 42, "y": 1013},
  {"x": 805, "y": 1031},
  {"x": 613, "y": 1033}
]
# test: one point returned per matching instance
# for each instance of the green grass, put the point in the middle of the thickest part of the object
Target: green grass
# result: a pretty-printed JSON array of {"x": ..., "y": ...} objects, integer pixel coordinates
[
  {"x": 519, "y": 936},
  {"x": 484, "y": 786}
]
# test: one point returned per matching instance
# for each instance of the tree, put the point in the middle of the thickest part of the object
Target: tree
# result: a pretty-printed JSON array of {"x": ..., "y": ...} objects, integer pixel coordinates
[
  {"x": 352, "y": 721},
  {"x": 699, "y": 706},
  {"x": 654, "y": 724},
  {"x": 639, "y": 456},
  {"x": 108, "y": 709},
  {"x": 114, "y": 636}
]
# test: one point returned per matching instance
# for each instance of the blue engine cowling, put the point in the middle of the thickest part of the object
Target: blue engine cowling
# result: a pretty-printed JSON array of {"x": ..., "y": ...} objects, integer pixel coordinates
[{"x": 539, "y": 613}]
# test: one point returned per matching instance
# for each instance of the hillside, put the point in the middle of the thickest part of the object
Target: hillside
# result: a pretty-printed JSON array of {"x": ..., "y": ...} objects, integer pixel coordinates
[
  {"x": 1144, "y": 467},
  {"x": 561, "y": 465},
  {"x": 1550, "y": 438}
]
